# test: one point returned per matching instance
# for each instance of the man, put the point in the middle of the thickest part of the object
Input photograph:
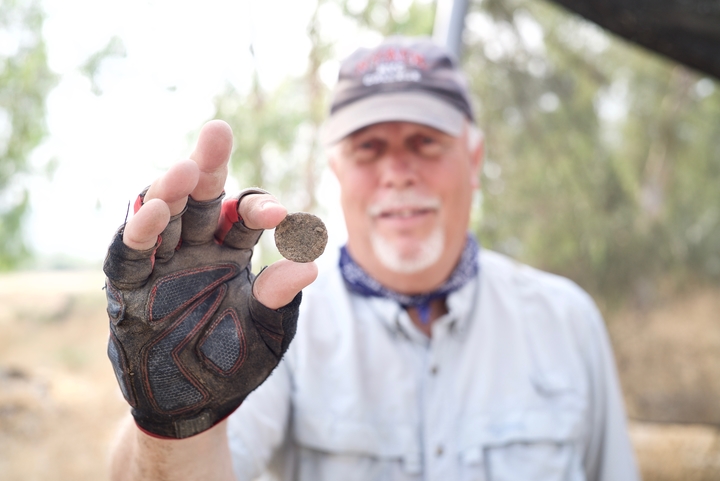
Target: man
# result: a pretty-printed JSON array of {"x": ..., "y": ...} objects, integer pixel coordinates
[{"x": 417, "y": 356}]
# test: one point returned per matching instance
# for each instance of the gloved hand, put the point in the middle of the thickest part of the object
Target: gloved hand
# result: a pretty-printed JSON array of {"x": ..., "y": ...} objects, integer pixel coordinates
[{"x": 188, "y": 339}]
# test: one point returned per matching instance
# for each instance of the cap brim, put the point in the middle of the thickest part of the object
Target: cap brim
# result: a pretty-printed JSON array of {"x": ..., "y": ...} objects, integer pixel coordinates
[{"x": 416, "y": 107}]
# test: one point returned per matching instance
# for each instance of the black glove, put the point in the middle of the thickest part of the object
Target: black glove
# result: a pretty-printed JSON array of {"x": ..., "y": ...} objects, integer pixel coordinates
[{"x": 188, "y": 341}]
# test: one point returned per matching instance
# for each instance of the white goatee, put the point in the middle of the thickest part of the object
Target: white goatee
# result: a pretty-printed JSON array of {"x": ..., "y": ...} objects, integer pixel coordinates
[{"x": 390, "y": 256}]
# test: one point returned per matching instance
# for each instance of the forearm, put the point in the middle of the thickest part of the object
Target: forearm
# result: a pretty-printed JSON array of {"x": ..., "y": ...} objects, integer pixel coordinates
[{"x": 205, "y": 456}]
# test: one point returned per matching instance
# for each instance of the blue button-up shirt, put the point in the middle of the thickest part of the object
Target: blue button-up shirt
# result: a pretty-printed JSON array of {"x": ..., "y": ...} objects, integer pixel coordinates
[{"x": 517, "y": 384}]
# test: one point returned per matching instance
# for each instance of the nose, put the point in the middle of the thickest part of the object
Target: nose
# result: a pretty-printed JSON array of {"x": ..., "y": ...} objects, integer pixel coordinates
[{"x": 398, "y": 169}]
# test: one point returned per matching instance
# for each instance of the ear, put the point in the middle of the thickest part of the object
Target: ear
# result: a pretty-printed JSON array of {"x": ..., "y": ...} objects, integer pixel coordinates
[
  {"x": 331, "y": 153},
  {"x": 335, "y": 160},
  {"x": 476, "y": 161}
]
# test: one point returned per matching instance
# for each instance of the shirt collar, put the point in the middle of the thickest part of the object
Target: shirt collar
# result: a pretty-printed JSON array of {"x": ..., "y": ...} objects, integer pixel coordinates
[
  {"x": 360, "y": 282},
  {"x": 460, "y": 304}
]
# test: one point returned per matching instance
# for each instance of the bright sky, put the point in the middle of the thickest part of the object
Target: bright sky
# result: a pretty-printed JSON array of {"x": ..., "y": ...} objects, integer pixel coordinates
[{"x": 179, "y": 57}]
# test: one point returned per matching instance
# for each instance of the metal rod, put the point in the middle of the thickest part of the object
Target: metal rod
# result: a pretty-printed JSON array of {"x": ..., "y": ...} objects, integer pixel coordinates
[{"x": 449, "y": 24}]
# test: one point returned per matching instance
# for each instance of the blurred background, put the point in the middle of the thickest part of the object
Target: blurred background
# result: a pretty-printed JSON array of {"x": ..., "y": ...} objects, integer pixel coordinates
[{"x": 603, "y": 165}]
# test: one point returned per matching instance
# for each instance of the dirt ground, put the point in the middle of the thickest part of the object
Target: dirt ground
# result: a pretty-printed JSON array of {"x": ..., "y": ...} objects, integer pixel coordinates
[
  {"x": 668, "y": 356},
  {"x": 59, "y": 404}
]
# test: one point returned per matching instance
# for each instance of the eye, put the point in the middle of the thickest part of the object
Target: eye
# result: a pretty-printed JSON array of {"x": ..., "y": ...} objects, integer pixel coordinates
[
  {"x": 368, "y": 145},
  {"x": 426, "y": 145},
  {"x": 366, "y": 150}
]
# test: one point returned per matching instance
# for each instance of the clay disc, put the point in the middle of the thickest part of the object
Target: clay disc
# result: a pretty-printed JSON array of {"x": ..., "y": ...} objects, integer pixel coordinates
[{"x": 301, "y": 237}]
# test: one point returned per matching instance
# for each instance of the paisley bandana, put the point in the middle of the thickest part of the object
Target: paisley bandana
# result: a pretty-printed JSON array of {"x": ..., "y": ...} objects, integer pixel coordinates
[{"x": 360, "y": 282}]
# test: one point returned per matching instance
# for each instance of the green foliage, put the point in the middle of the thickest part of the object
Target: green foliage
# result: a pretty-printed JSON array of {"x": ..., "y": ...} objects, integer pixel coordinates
[
  {"x": 385, "y": 17},
  {"x": 115, "y": 48},
  {"x": 25, "y": 81},
  {"x": 602, "y": 162},
  {"x": 264, "y": 126},
  {"x": 13, "y": 247}
]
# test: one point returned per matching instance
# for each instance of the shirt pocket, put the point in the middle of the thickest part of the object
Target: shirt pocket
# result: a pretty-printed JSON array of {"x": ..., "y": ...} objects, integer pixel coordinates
[
  {"x": 332, "y": 449},
  {"x": 531, "y": 445}
]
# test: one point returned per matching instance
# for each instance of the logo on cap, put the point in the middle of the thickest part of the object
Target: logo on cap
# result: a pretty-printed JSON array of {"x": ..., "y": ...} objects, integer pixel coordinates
[{"x": 391, "y": 65}]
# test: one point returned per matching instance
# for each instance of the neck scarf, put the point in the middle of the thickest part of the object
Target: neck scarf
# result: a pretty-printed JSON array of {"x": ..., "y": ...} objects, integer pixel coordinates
[{"x": 360, "y": 282}]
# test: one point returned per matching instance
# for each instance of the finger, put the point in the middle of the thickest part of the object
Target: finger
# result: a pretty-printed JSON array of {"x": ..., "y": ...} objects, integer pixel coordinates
[
  {"x": 278, "y": 284},
  {"x": 200, "y": 220},
  {"x": 244, "y": 217},
  {"x": 261, "y": 211},
  {"x": 212, "y": 154},
  {"x": 142, "y": 230},
  {"x": 175, "y": 185}
]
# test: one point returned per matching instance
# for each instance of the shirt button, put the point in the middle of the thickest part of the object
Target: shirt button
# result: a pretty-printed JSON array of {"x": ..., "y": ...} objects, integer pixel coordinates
[
  {"x": 434, "y": 370},
  {"x": 439, "y": 450}
]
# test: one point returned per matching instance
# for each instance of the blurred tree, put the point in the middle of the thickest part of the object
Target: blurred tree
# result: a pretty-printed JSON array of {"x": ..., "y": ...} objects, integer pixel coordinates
[
  {"x": 115, "y": 48},
  {"x": 25, "y": 81},
  {"x": 392, "y": 17},
  {"x": 602, "y": 158}
]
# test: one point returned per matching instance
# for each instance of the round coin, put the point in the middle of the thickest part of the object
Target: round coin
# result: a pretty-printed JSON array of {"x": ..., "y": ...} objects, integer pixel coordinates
[{"x": 301, "y": 237}]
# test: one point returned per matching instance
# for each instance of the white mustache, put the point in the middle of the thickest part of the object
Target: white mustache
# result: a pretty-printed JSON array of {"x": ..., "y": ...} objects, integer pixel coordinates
[{"x": 405, "y": 201}]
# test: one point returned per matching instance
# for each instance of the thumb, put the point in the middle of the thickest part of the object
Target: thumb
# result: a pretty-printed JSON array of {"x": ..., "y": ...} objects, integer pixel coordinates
[{"x": 278, "y": 285}]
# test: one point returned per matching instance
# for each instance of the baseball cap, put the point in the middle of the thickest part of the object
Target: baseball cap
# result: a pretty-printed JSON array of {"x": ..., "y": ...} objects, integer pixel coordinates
[{"x": 407, "y": 79}]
